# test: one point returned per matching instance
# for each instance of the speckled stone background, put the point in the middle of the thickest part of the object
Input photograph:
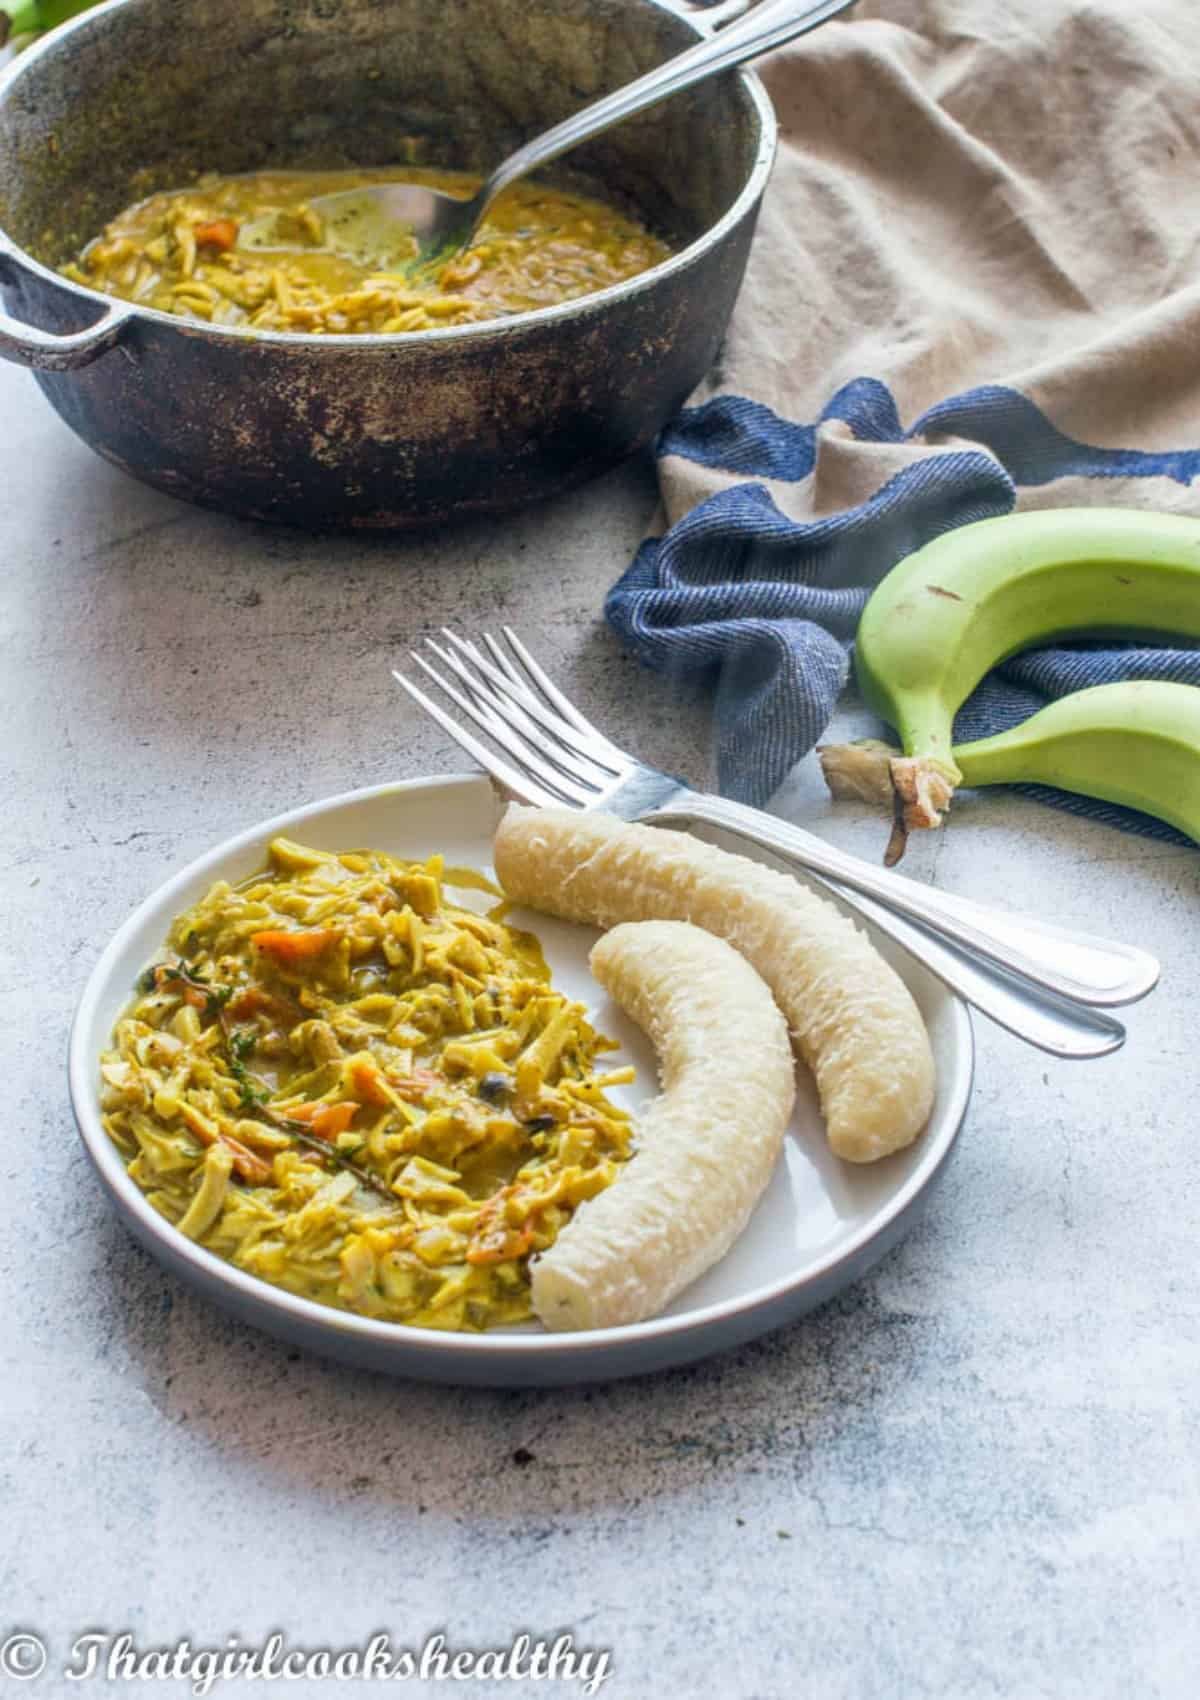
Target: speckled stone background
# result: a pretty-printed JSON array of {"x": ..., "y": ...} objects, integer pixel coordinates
[{"x": 974, "y": 1475}]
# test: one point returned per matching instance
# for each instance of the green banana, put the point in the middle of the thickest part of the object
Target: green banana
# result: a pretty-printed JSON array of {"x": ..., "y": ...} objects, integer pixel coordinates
[
  {"x": 1136, "y": 743},
  {"x": 951, "y": 611},
  {"x": 30, "y": 17}
]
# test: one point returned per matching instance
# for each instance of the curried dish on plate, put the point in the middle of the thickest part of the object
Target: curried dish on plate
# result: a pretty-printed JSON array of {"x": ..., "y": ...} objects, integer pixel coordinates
[
  {"x": 250, "y": 250},
  {"x": 819, "y": 1225},
  {"x": 371, "y": 1097},
  {"x": 355, "y": 1089}
]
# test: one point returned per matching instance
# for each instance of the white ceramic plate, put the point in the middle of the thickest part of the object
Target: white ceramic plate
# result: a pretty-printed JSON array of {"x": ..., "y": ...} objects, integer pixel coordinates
[{"x": 820, "y": 1224}]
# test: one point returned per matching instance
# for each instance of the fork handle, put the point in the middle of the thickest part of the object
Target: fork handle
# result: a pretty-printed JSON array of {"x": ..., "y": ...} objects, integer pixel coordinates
[
  {"x": 1051, "y": 1024},
  {"x": 768, "y": 26},
  {"x": 1067, "y": 964},
  {"x": 1055, "y": 1025}
]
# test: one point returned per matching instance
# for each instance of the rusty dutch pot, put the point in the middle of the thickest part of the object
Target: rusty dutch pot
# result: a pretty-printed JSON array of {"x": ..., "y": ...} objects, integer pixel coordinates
[{"x": 383, "y": 431}]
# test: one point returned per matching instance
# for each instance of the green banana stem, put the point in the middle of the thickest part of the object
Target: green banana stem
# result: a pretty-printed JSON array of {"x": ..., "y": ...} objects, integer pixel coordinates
[
  {"x": 862, "y": 769},
  {"x": 916, "y": 790}
]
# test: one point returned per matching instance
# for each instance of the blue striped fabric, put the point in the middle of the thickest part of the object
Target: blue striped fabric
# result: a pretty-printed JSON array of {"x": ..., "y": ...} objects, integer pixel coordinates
[{"x": 764, "y": 607}]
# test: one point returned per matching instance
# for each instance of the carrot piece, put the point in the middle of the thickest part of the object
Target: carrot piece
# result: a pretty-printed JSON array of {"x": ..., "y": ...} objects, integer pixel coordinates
[
  {"x": 333, "y": 1119},
  {"x": 245, "y": 1161},
  {"x": 326, "y": 1120},
  {"x": 292, "y": 949},
  {"x": 253, "y": 1000},
  {"x": 492, "y": 1240},
  {"x": 249, "y": 1166},
  {"x": 221, "y": 233},
  {"x": 414, "y": 1085},
  {"x": 366, "y": 1082},
  {"x": 499, "y": 1246}
]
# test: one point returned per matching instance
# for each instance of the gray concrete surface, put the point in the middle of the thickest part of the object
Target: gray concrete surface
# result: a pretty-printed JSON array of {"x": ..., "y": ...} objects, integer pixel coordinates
[{"x": 974, "y": 1475}]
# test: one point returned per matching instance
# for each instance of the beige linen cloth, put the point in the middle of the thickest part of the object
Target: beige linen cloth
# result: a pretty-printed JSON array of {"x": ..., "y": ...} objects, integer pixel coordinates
[
  {"x": 975, "y": 286},
  {"x": 976, "y": 192}
]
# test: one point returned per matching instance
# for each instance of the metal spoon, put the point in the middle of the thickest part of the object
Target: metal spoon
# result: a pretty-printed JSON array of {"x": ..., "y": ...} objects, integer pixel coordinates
[{"x": 379, "y": 222}]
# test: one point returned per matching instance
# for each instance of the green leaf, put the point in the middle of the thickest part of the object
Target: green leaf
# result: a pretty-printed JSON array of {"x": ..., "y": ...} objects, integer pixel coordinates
[{"x": 31, "y": 17}]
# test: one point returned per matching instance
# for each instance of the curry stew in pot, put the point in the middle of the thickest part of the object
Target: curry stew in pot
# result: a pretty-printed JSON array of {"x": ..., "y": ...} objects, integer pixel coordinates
[{"x": 253, "y": 251}]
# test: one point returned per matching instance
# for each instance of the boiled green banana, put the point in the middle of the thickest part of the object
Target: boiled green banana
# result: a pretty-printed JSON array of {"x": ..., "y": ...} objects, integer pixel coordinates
[
  {"x": 1136, "y": 743},
  {"x": 948, "y": 613}
]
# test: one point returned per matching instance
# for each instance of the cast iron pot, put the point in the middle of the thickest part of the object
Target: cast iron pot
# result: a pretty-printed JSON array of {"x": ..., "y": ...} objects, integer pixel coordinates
[{"x": 384, "y": 431}]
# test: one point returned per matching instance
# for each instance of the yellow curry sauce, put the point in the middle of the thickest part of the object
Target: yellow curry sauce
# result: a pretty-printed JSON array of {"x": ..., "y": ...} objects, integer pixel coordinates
[
  {"x": 355, "y": 1089},
  {"x": 198, "y": 252}
]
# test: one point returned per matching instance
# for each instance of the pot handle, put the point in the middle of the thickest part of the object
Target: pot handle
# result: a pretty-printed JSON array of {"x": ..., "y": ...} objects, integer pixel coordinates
[{"x": 50, "y": 351}]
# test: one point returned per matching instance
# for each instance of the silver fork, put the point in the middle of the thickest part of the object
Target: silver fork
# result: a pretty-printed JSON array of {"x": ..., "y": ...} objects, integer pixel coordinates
[{"x": 1046, "y": 984}]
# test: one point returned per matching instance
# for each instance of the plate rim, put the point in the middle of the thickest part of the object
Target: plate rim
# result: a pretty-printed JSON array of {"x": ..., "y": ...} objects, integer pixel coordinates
[{"x": 206, "y": 1267}]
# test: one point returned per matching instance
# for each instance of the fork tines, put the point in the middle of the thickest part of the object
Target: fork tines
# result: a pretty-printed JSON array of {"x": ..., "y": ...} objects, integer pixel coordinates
[{"x": 557, "y": 755}]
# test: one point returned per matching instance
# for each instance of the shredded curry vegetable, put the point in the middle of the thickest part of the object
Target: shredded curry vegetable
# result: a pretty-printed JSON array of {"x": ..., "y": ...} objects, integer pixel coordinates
[
  {"x": 351, "y": 1087},
  {"x": 192, "y": 252}
]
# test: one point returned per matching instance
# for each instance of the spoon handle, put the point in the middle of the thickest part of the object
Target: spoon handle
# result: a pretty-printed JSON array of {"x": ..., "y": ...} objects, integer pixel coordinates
[{"x": 767, "y": 26}]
